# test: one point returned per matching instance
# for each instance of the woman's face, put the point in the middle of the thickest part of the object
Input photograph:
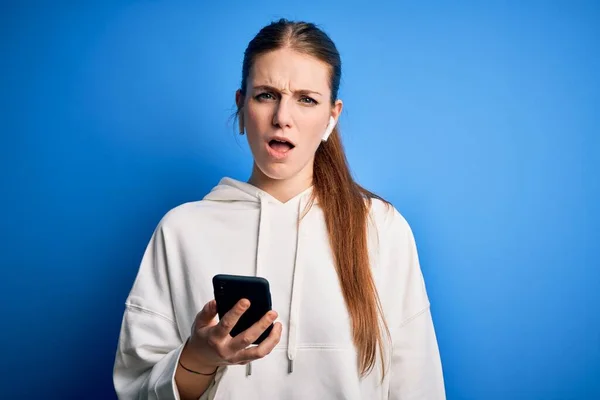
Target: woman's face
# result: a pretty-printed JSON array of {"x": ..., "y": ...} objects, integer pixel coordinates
[{"x": 285, "y": 112}]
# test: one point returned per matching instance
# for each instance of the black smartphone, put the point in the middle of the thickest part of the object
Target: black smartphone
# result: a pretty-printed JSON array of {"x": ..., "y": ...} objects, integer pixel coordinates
[{"x": 229, "y": 289}]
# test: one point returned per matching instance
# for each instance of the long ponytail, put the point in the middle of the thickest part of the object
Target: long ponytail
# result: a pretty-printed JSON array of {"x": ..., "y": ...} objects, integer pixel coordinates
[{"x": 345, "y": 206}]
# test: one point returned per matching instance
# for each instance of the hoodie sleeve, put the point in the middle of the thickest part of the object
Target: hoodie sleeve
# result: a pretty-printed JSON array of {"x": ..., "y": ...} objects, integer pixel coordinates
[
  {"x": 416, "y": 372},
  {"x": 149, "y": 343},
  {"x": 416, "y": 369}
]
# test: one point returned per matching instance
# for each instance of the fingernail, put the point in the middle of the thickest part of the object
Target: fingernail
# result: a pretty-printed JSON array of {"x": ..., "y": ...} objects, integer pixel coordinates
[{"x": 245, "y": 303}]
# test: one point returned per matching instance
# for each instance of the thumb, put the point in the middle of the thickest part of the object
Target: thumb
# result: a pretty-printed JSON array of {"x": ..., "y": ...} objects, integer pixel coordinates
[{"x": 207, "y": 314}]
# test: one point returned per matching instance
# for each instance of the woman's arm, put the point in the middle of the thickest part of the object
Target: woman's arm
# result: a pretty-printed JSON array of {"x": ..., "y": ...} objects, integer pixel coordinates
[
  {"x": 151, "y": 355},
  {"x": 150, "y": 344},
  {"x": 416, "y": 369}
]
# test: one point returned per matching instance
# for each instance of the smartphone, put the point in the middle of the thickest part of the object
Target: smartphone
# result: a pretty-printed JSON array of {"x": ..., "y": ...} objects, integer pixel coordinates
[{"x": 229, "y": 289}]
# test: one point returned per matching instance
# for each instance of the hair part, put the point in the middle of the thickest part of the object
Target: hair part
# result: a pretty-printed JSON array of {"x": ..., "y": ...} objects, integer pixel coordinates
[{"x": 345, "y": 204}]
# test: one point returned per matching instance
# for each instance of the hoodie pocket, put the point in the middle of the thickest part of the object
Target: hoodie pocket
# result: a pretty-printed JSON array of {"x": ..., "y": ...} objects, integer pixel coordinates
[{"x": 319, "y": 373}]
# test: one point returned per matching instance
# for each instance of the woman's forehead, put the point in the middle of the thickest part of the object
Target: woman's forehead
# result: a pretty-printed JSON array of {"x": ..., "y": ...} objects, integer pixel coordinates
[{"x": 286, "y": 69}]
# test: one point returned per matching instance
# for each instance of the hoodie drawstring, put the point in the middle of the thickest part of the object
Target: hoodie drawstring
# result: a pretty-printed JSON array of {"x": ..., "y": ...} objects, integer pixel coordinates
[
  {"x": 296, "y": 278},
  {"x": 295, "y": 300},
  {"x": 262, "y": 235}
]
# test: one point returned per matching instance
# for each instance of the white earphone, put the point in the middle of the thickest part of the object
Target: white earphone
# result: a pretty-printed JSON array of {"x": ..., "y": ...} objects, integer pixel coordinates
[{"x": 329, "y": 128}]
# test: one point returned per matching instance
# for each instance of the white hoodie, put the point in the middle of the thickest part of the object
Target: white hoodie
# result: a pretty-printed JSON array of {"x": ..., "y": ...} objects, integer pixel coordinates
[{"x": 240, "y": 229}]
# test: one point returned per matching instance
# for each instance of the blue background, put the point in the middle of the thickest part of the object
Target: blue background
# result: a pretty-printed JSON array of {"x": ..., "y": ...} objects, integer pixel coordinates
[{"x": 479, "y": 122}]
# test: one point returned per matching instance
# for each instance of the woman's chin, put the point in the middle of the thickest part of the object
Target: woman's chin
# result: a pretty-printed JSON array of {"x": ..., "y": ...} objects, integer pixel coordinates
[{"x": 277, "y": 171}]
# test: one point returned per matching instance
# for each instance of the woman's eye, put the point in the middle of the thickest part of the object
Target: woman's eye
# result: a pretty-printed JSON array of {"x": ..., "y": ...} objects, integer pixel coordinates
[
  {"x": 265, "y": 96},
  {"x": 307, "y": 100}
]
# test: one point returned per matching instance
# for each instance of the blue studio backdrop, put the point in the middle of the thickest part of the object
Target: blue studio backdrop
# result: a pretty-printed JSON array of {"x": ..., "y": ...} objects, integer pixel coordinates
[{"x": 479, "y": 121}]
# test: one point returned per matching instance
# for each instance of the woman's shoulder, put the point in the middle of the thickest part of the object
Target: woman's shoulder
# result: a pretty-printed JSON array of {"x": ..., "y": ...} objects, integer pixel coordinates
[
  {"x": 388, "y": 219},
  {"x": 183, "y": 215}
]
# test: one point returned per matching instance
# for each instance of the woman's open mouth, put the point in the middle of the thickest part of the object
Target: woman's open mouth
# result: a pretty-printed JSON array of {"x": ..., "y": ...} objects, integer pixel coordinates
[{"x": 279, "y": 148}]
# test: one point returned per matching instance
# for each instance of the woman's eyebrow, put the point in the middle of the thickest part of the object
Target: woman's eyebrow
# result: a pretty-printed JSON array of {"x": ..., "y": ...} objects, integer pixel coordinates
[{"x": 273, "y": 89}]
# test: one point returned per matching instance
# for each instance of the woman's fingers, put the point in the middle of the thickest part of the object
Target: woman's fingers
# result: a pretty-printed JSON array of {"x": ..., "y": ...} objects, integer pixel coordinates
[
  {"x": 249, "y": 336},
  {"x": 206, "y": 315},
  {"x": 235, "y": 350},
  {"x": 226, "y": 324},
  {"x": 262, "y": 350}
]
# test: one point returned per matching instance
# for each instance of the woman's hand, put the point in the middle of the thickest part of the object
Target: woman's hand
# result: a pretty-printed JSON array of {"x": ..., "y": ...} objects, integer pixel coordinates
[{"x": 211, "y": 345}]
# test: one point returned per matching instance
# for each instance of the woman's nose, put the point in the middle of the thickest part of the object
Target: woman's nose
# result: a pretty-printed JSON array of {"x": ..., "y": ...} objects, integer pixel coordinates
[{"x": 282, "y": 116}]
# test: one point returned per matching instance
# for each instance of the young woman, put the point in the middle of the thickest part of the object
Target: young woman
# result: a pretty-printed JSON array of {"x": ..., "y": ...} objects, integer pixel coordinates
[{"x": 351, "y": 311}]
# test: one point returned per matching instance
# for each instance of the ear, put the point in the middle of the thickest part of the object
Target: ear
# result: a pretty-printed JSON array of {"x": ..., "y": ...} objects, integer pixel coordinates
[
  {"x": 239, "y": 101},
  {"x": 336, "y": 110},
  {"x": 329, "y": 129}
]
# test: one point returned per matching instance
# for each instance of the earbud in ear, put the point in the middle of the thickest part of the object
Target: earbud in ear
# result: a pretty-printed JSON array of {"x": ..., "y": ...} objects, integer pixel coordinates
[
  {"x": 329, "y": 128},
  {"x": 241, "y": 124}
]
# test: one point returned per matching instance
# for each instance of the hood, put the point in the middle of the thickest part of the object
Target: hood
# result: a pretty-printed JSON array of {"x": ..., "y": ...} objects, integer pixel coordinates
[{"x": 230, "y": 190}]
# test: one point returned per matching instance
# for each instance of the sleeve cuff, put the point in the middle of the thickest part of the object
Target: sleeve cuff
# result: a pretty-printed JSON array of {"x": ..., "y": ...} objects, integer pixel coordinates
[{"x": 162, "y": 378}]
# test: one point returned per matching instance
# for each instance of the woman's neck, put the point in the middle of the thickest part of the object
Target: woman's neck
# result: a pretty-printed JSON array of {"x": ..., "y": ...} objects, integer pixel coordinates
[{"x": 281, "y": 189}]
